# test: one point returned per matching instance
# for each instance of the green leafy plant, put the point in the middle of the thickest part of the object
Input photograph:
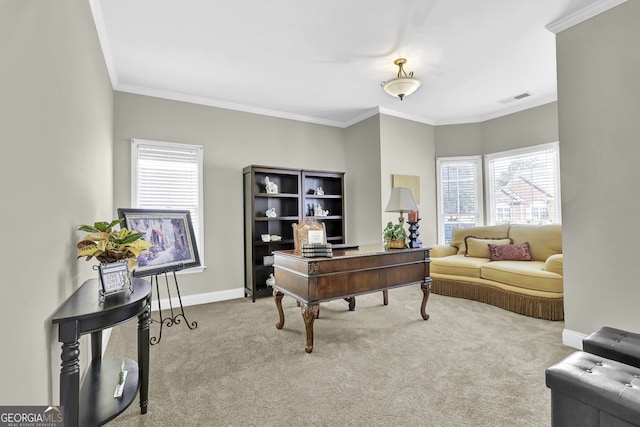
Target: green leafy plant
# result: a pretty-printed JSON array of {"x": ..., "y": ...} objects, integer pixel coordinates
[
  {"x": 393, "y": 232},
  {"x": 107, "y": 245}
]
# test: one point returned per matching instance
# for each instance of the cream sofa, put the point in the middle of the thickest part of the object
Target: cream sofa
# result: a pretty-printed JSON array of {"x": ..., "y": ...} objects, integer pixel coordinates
[{"x": 464, "y": 268}]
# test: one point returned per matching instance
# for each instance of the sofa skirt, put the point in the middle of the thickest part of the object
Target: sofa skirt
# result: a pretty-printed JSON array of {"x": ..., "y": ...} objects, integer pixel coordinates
[{"x": 529, "y": 305}]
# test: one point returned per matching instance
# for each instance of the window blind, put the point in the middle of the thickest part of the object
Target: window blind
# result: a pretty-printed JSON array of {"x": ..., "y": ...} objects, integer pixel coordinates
[
  {"x": 459, "y": 194},
  {"x": 523, "y": 186},
  {"x": 168, "y": 176}
]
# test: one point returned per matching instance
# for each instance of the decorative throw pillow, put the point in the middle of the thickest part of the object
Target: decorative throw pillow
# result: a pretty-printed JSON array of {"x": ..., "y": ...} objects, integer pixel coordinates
[
  {"x": 479, "y": 248},
  {"x": 520, "y": 252}
]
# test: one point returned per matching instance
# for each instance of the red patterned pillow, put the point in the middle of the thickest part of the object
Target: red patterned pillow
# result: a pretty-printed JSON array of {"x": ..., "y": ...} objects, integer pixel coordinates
[{"x": 518, "y": 252}]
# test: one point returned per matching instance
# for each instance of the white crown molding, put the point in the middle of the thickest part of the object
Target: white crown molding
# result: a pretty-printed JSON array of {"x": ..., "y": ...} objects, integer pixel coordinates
[
  {"x": 521, "y": 107},
  {"x": 101, "y": 29},
  {"x": 582, "y": 15},
  {"x": 360, "y": 117},
  {"x": 192, "y": 99},
  {"x": 410, "y": 117},
  {"x": 501, "y": 113}
]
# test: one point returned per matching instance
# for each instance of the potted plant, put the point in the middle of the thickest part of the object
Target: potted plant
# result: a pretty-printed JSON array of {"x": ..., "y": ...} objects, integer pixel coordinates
[
  {"x": 395, "y": 236},
  {"x": 109, "y": 246}
]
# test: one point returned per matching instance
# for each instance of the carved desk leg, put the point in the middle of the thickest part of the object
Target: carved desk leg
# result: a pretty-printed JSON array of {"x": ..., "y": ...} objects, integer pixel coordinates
[
  {"x": 309, "y": 314},
  {"x": 143, "y": 357},
  {"x": 277, "y": 296},
  {"x": 426, "y": 291}
]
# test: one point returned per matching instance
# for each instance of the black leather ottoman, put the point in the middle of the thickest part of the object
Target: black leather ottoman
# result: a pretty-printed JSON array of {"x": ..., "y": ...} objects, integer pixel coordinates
[
  {"x": 590, "y": 391},
  {"x": 614, "y": 344}
]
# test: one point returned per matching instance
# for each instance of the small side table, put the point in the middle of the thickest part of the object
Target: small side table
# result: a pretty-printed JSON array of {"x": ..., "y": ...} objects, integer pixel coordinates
[{"x": 93, "y": 404}]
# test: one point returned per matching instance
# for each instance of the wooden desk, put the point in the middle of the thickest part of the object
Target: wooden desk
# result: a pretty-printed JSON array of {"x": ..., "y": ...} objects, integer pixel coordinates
[
  {"x": 350, "y": 272},
  {"x": 82, "y": 313}
]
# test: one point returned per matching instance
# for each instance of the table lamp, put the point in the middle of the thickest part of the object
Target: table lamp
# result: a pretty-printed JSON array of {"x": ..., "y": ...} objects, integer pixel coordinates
[{"x": 401, "y": 201}]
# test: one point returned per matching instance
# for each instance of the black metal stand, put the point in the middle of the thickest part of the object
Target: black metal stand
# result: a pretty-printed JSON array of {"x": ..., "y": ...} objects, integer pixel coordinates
[
  {"x": 175, "y": 317},
  {"x": 414, "y": 242}
]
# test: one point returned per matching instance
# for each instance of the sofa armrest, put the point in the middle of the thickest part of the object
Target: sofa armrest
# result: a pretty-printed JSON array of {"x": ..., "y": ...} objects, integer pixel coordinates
[
  {"x": 554, "y": 264},
  {"x": 439, "y": 251}
]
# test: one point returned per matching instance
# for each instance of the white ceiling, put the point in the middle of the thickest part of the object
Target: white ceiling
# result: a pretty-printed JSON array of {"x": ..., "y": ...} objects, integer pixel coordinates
[{"x": 323, "y": 60}]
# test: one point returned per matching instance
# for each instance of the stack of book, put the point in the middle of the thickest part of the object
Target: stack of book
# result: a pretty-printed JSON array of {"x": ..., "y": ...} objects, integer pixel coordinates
[{"x": 311, "y": 250}]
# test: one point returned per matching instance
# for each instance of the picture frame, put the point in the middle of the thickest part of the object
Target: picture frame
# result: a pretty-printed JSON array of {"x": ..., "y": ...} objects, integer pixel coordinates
[
  {"x": 114, "y": 277},
  {"x": 171, "y": 234}
]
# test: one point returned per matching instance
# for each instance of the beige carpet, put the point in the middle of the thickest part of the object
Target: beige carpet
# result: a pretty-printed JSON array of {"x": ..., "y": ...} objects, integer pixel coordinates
[{"x": 470, "y": 364}]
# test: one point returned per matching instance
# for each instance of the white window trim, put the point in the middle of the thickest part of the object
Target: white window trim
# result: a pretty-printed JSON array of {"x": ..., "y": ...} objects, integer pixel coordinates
[
  {"x": 479, "y": 186},
  {"x": 135, "y": 144},
  {"x": 519, "y": 151}
]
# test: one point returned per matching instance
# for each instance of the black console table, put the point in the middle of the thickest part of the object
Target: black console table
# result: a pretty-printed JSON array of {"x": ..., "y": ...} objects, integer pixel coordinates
[{"x": 82, "y": 313}]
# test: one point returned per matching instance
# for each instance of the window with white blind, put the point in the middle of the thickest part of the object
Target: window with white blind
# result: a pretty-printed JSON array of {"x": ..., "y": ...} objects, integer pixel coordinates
[
  {"x": 459, "y": 188},
  {"x": 167, "y": 175},
  {"x": 523, "y": 186}
]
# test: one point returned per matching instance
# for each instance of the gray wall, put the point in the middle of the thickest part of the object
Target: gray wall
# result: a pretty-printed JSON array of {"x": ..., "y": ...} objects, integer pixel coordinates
[
  {"x": 538, "y": 125},
  {"x": 363, "y": 191},
  {"x": 534, "y": 126},
  {"x": 459, "y": 140},
  {"x": 56, "y": 121},
  {"x": 231, "y": 140},
  {"x": 599, "y": 120},
  {"x": 408, "y": 148}
]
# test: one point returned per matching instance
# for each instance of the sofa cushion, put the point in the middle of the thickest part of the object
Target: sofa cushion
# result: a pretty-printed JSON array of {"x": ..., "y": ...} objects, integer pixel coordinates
[
  {"x": 544, "y": 240},
  {"x": 528, "y": 275},
  {"x": 438, "y": 251},
  {"x": 479, "y": 248},
  {"x": 458, "y": 265},
  {"x": 554, "y": 264},
  {"x": 489, "y": 231},
  {"x": 519, "y": 252}
]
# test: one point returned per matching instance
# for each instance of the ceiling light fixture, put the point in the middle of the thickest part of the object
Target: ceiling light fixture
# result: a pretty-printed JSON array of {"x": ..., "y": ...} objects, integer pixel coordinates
[{"x": 404, "y": 84}]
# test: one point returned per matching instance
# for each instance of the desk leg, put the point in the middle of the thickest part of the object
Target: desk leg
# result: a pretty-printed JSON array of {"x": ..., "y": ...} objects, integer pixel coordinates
[
  {"x": 426, "y": 291},
  {"x": 385, "y": 297},
  {"x": 277, "y": 296},
  {"x": 143, "y": 357},
  {"x": 309, "y": 314}
]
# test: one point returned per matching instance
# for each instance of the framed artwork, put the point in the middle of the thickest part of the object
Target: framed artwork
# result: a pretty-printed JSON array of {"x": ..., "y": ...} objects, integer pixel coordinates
[{"x": 171, "y": 233}]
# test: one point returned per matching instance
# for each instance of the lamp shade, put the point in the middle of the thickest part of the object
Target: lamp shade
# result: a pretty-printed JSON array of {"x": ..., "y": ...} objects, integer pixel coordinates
[
  {"x": 401, "y": 200},
  {"x": 401, "y": 87}
]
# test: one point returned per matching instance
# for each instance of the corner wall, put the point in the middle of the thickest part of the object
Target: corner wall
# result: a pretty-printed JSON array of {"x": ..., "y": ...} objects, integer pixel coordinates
[
  {"x": 56, "y": 118},
  {"x": 408, "y": 148},
  {"x": 599, "y": 111},
  {"x": 363, "y": 192}
]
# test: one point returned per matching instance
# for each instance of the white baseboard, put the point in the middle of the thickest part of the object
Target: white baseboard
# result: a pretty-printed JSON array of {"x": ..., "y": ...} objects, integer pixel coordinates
[
  {"x": 188, "y": 300},
  {"x": 572, "y": 339},
  {"x": 197, "y": 299}
]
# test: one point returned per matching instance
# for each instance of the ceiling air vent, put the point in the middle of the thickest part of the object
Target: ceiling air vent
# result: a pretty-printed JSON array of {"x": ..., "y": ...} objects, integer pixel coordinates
[{"x": 514, "y": 98}]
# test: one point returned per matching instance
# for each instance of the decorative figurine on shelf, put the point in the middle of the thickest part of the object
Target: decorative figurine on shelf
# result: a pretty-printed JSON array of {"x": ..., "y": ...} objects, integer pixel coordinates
[
  {"x": 270, "y": 186},
  {"x": 271, "y": 213},
  {"x": 271, "y": 280},
  {"x": 318, "y": 211},
  {"x": 319, "y": 191}
]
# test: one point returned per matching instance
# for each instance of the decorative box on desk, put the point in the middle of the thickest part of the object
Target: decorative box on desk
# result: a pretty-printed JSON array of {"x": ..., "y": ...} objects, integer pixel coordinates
[{"x": 93, "y": 404}]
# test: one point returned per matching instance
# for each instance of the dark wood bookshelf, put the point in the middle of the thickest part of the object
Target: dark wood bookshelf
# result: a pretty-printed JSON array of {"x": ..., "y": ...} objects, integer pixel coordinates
[{"x": 296, "y": 190}]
